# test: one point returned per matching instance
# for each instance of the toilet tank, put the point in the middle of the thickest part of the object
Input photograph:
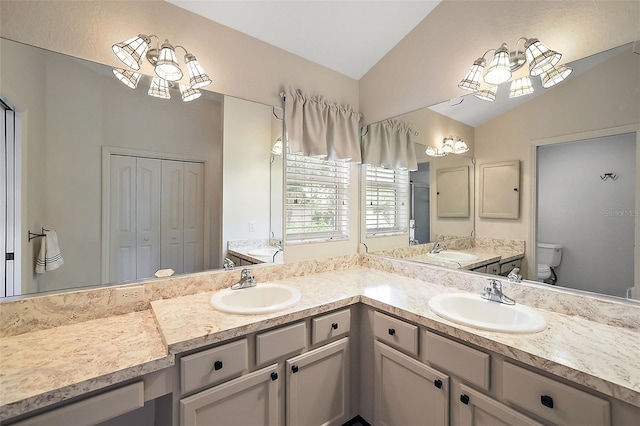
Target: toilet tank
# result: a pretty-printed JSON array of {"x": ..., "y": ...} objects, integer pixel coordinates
[{"x": 549, "y": 254}]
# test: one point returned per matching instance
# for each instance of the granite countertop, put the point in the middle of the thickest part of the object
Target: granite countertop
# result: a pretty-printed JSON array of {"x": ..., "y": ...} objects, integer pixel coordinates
[
  {"x": 243, "y": 253},
  {"x": 44, "y": 367},
  {"x": 486, "y": 256}
]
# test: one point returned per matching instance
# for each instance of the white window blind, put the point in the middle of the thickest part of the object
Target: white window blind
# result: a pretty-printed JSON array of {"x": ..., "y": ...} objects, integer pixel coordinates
[
  {"x": 387, "y": 201},
  {"x": 317, "y": 198}
]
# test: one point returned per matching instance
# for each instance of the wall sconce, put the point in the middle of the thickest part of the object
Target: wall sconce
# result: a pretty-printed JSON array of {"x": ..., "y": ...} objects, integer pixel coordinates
[
  {"x": 543, "y": 62},
  {"x": 448, "y": 147},
  {"x": 163, "y": 58}
]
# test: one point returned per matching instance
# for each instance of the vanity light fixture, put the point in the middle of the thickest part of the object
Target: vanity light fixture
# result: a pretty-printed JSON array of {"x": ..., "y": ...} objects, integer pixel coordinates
[
  {"x": 448, "y": 147},
  {"x": 166, "y": 67},
  {"x": 542, "y": 61}
]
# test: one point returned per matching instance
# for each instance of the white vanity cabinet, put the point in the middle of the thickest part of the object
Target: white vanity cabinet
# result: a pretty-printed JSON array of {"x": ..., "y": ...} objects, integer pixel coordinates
[
  {"x": 296, "y": 374},
  {"x": 406, "y": 391},
  {"x": 477, "y": 409}
]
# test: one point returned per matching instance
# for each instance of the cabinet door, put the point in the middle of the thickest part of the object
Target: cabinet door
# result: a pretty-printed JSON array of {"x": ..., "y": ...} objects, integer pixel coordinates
[
  {"x": 500, "y": 190},
  {"x": 318, "y": 386},
  {"x": 173, "y": 215},
  {"x": 476, "y": 409},
  {"x": 147, "y": 217},
  {"x": 248, "y": 400},
  {"x": 408, "y": 392}
]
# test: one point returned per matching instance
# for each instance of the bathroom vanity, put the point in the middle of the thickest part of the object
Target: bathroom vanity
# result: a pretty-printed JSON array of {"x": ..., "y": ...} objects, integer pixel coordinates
[{"x": 361, "y": 341}]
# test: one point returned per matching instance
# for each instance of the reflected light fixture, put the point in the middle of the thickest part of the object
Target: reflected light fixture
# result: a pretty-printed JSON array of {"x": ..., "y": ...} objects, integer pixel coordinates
[
  {"x": 163, "y": 58},
  {"x": 542, "y": 62},
  {"x": 448, "y": 147}
]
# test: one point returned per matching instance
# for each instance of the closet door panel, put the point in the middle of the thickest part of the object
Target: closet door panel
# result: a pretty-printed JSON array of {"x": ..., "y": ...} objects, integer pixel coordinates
[
  {"x": 148, "y": 219},
  {"x": 122, "y": 219},
  {"x": 193, "y": 217},
  {"x": 173, "y": 215}
]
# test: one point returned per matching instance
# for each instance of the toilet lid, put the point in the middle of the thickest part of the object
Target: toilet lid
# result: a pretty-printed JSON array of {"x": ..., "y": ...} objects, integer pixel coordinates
[{"x": 543, "y": 269}]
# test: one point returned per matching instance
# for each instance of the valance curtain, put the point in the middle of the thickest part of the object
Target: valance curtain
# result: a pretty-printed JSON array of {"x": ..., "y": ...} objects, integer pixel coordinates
[
  {"x": 316, "y": 127},
  {"x": 389, "y": 144}
]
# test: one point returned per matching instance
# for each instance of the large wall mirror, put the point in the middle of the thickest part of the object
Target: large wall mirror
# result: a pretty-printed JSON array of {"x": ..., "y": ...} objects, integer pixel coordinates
[
  {"x": 594, "y": 217},
  {"x": 131, "y": 183}
]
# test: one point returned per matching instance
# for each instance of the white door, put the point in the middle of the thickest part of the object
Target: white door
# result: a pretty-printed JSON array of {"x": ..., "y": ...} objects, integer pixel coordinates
[
  {"x": 122, "y": 219},
  {"x": 148, "y": 172},
  {"x": 173, "y": 215},
  {"x": 193, "y": 217}
]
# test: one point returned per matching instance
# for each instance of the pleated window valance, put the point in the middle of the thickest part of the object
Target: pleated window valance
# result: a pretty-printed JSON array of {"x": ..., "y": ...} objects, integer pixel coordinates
[
  {"x": 319, "y": 128},
  {"x": 389, "y": 144}
]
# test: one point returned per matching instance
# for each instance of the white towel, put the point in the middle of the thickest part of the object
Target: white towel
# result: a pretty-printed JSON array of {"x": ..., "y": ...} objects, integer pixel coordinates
[{"x": 50, "y": 257}]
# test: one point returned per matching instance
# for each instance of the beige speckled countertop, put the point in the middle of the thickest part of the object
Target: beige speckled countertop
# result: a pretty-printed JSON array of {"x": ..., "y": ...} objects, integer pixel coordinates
[
  {"x": 486, "y": 256},
  {"x": 44, "y": 367}
]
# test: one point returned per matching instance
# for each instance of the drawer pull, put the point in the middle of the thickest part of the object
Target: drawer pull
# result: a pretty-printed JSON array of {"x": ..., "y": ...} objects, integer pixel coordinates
[
  {"x": 437, "y": 383},
  {"x": 274, "y": 376},
  {"x": 547, "y": 401},
  {"x": 294, "y": 368},
  {"x": 217, "y": 365},
  {"x": 464, "y": 399},
  {"x": 392, "y": 331},
  {"x": 334, "y": 325}
]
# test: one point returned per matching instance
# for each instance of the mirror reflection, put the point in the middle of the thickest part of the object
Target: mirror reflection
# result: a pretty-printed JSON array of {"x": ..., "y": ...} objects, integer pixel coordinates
[
  {"x": 129, "y": 183},
  {"x": 568, "y": 200}
]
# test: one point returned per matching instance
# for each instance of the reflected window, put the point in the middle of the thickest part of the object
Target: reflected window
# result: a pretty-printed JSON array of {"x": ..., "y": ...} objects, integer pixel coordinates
[
  {"x": 317, "y": 198},
  {"x": 387, "y": 201}
]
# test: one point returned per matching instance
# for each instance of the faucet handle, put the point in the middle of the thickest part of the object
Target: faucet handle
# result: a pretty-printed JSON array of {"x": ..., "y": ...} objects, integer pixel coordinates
[
  {"x": 245, "y": 273},
  {"x": 494, "y": 285}
]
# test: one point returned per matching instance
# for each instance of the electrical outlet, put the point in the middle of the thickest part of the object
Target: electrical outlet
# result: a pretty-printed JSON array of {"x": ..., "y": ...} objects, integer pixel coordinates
[
  {"x": 252, "y": 225},
  {"x": 129, "y": 294}
]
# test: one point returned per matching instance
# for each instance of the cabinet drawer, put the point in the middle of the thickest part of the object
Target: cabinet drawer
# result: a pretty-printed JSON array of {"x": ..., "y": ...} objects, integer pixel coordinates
[
  {"x": 396, "y": 333},
  {"x": 467, "y": 363},
  {"x": 213, "y": 365},
  {"x": 505, "y": 268},
  {"x": 482, "y": 269},
  {"x": 92, "y": 410},
  {"x": 551, "y": 400},
  {"x": 493, "y": 268},
  {"x": 328, "y": 326},
  {"x": 275, "y": 344}
]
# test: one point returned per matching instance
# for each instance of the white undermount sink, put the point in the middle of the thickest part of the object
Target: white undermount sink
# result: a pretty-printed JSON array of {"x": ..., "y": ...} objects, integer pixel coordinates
[
  {"x": 474, "y": 311},
  {"x": 261, "y": 299},
  {"x": 263, "y": 252},
  {"x": 453, "y": 256}
]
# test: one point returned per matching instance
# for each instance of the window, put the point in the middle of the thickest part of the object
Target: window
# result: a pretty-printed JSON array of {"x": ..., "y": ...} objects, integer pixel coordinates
[
  {"x": 387, "y": 201},
  {"x": 317, "y": 198}
]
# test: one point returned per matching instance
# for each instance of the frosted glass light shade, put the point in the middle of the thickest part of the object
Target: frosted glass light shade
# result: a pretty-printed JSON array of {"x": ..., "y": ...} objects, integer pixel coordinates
[
  {"x": 189, "y": 93},
  {"x": 167, "y": 66},
  {"x": 499, "y": 70},
  {"x": 487, "y": 94},
  {"x": 434, "y": 152},
  {"x": 197, "y": 77},
  {"x": 555, "y": 76},
  {"x": 131, "y": 51},
  {"x": 159, "y": 88},
  {"x": 471, "y": 81},
  {"x": 128, "y": 78},
  {"x": 447, "y": 145},
  {"x": 521, "y": 87},
  {"x": 539, "y": 56},
  {"x": 460, "y": 147}
]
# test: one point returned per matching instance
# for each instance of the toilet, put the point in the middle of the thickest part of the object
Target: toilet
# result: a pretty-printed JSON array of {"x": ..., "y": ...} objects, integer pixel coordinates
[{"x": 549, "y": 256}]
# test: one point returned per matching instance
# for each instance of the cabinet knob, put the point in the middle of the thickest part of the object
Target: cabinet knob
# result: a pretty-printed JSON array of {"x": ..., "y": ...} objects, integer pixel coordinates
[
  {"x": 392, "y": 331},
  {"x": 294, "y": 368},
  {"x": 217, "y": 365},
  {"x": 437, "y": 383},
  {"x": 334, "y": 325},
  {"x": 546, "y": 400},
  {"x": 464, "y": 399},
  {"x": 274, "y": 376}
]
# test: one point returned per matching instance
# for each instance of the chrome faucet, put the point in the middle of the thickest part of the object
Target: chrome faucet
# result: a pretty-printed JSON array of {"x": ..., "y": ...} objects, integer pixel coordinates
[
  {"x": 514, "y": 276},
  {"x": 438, "y": 247},
  {"x": 228, "y": 264},
  {"x": 278, "y": 244},
  {"x": 493, "y": 292},
  {"x": 246, "y": 280}
]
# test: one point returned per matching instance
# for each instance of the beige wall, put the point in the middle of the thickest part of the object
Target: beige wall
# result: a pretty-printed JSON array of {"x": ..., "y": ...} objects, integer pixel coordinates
[
  {"x": 606, "y": 96},
  {"x": 426, "y": 66},
  {"x": 239, "y": 65}
]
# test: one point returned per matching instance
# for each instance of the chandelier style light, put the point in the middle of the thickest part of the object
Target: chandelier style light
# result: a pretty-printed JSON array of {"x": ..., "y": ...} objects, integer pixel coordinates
[
  {"x": 542, "y": 61},
  {"x": 132, "y": 52},
  {"x": 449, "y": 146}
]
